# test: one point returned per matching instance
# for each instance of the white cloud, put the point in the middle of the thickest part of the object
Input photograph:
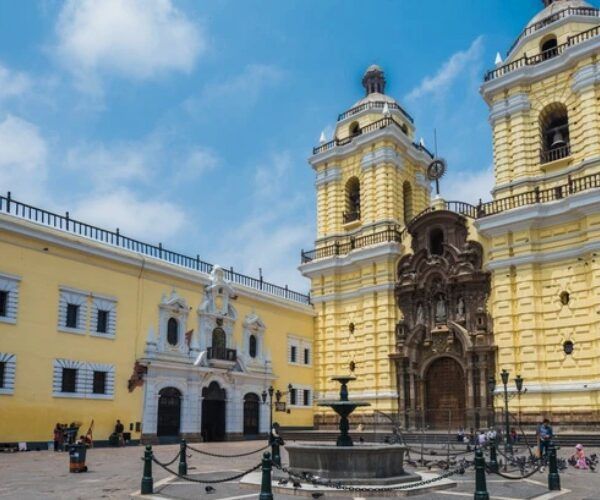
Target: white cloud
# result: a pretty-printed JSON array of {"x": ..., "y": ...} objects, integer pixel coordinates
[
  {"x": 12, "y": 83},
  {"x": 450, "y": 70},
  {"x": 240, "y": 91},
  {"x": 108, "y": 165},
  {"x": 468, "y": 186},
  {"x": 146, "y": 219},
  {"x": 23, "y": 156},
  {"x": 196, "y": 163},
  {"x": 135, "y": 39}
]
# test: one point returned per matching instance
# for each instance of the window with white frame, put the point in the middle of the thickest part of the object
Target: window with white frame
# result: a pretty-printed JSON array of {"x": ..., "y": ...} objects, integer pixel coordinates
[
  {"x": 9, "y": 298},
  {"x": 78, "y": 379},
  {"x": 299, "y": 351},
  {"x": 103, "y": 318},
  {"x": 300, "y": 395},
  {"x": 8, "y": 366},
  {"x": 72, "y": 311}
]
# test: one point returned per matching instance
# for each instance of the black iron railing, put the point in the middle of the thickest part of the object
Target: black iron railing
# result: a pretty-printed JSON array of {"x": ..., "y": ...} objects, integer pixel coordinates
[
  {"x": 542, "y": 23},
  {"x": 553, "y": 154},
  {"x": 343, "y": 246},
  {"x": 65, "y": 223},
  {"x": 374, "y": 105},
  {"x": 221, "y": 353},
  {"x": 388, "y": 121},
  {"x": 542, "y": 56},
  {"x": 351, "y": 216}
]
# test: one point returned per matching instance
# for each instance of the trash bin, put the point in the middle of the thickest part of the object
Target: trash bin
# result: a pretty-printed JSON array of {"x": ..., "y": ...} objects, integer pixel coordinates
[{"x": 77, "y": 458}]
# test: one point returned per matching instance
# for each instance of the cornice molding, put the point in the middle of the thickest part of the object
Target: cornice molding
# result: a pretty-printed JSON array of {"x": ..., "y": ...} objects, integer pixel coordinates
[
  {"x": 530, "y": 74},
  {"x": 330, "y": 174},
  {"x": 367, "y": 290},
  {"x": 507, "y": 107},
  {"x": 543, "y": 214},
  {"x": 360, "y": 256},
  {"x": 586, "y": 77},
  {"x": 380, "y": 157}
]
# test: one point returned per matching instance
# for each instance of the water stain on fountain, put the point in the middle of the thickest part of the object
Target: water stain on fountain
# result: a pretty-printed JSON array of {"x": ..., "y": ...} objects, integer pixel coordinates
[{"x": 366, "y": 464}]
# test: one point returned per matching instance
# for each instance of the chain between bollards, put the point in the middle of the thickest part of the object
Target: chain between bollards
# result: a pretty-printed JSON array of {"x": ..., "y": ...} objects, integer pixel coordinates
[
  {"x": 481, "y": 492},
  {"x": 553, "y": 476},
  {"x": 147, "y": 481},
  {"x": 265, "y": 486},
  {"x": 182, "y": 458}
]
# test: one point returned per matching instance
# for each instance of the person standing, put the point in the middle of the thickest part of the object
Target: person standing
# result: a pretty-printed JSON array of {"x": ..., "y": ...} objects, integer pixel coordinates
[
  {"x": 119, "y": 429},
  {"x": 58, "y": 437},
  {"x": 545, "y": 436}
]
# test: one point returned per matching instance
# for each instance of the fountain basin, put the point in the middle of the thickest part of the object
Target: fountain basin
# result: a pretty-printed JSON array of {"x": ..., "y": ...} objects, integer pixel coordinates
[{"x": 360, "y": 464}]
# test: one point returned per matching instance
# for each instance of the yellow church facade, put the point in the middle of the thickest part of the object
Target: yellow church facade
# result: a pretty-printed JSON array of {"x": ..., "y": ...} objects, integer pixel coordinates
[{"x": 424, "y": 300}]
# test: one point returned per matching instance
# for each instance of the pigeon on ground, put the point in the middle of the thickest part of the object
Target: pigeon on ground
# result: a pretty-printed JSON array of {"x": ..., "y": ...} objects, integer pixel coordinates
[
  {"x": 282, "y": 481},
  {"x": 317, "y": 495},
  {"x": 297, "y": 484},
  {"x": 209, "y": 489}
]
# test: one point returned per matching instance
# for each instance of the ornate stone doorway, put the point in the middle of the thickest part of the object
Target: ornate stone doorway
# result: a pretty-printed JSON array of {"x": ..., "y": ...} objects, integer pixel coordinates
[
  {"x": 251, "y": 414},
  {"x": 213, "y": 413},
  {"x": 169, "y": 412},
  {"x": 445, "y": 394}
]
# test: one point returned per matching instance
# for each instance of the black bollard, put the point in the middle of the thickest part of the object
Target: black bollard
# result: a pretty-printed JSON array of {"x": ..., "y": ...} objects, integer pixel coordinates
[
  {"x": 493, "y": 458},
  {"x": 553, "y": 476},
  {"x": 276, "y": 453},
  {"x": 182, "y": 458},
  {"x": 147, "y": 481},
  {"x": 265, "y": 486},
  {"x": 481, "y": 492}
]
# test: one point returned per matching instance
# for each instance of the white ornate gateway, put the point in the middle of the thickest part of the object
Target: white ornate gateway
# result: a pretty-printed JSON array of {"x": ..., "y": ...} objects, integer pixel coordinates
[{"x": 198, "y": 383}]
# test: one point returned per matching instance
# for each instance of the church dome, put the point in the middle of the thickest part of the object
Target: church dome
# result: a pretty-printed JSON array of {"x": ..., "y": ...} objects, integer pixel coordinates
[{"x": 554, "y": 6}]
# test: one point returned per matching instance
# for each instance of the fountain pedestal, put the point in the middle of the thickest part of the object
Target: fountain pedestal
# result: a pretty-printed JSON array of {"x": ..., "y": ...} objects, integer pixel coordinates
[{"x": 361, "y": 464}]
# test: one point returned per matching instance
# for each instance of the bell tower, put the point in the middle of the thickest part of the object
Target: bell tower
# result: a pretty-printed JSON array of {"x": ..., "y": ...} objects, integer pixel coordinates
[
  {"x": 544, "y": 107},
  {"x": 540, "y": 231},
  {"x": 370, "y": 180}
]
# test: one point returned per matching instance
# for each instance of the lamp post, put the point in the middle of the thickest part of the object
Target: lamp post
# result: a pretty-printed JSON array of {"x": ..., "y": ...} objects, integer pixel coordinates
[
  {"x": 504, "y": 375},
  {"x": 264, "y": 400}
]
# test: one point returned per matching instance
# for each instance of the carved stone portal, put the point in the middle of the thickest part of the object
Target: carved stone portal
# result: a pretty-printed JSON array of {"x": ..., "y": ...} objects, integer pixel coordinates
[{"x": 444, "y": 344}]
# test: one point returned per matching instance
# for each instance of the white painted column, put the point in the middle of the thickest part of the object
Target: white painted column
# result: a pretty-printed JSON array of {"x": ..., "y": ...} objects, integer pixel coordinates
[
  {"x": 150, "y": 414},
  {"x": 189, "y": 409},
  {"x": 234, "y": 421}
]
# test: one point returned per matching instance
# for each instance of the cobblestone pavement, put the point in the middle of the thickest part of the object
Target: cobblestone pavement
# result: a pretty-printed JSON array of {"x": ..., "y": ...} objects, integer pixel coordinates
[{"x": 115, "y": 473}]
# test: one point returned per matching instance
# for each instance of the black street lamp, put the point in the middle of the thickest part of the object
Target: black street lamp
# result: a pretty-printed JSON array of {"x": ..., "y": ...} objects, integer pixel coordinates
[
  {"x": 264, "y": 400},
  {"x": 504, "y": 375}
]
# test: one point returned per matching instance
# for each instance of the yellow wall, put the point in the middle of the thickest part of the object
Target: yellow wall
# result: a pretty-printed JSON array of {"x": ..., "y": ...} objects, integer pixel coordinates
[{"x": 43, "y": 266}]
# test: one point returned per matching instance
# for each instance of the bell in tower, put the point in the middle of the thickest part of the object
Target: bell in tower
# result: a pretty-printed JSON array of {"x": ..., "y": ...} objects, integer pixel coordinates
[{"x": 374, "y": 81}]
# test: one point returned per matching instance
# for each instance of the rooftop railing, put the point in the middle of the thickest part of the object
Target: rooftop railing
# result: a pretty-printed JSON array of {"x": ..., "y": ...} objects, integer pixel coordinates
[
  {"x": 343, "y": 246},
  {"x": 387, "y": 121},
  {"x": 542, "y": 56},
  {"x": 542, "y": 23},
  {"x": 114, "y": 238},
  {"x": 374, "y": 105}
]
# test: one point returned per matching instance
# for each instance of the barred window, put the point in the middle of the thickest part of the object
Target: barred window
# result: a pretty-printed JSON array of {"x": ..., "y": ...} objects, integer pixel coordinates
[
  {"x": 252, "y": 346},
  {"x": 293, "y": 397},
  {"x": 72, "y": 315},
  {"x": 173, "y": 331},
  {"x": 3, "y": 303},
  {"x": 2, "y": 372},
  {"x": 293, "y": 354},
  {"x": 102, "y": 321},
  {"x": 306, "y": 400},
  {"x": 307, "y": 356},
  {"x": 8, "y": 364},
  {"x": 69, "y": 380},
  {"x": 99, "y": 383}
]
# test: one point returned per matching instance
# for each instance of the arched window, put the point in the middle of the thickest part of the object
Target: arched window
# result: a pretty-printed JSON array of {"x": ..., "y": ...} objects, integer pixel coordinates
[
  {"x": 554, "y": 128},
  {"x": 219, "y": 338},
  {"x": 354, "y": 129},
  {"x": 352, "y": 212},
  {"x": 408, "y": 202},
  {"x": 173, "y": 331},
  {"x": 252, "y": 346},
  {"x": 436, "y": 241},
  {"x": 549, "y": 47}
]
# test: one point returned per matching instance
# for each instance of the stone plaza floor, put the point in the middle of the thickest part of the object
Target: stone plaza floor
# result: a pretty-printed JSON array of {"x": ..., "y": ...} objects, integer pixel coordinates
[{"x": 115, "y": 473}]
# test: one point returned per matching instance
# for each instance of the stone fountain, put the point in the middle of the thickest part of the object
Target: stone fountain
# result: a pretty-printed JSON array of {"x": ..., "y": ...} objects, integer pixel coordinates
[{"x": 367, "y": 464}]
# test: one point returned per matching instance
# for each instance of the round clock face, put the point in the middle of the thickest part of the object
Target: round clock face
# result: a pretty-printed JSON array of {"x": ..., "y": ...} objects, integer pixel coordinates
[{"x": 436, "y": 169}]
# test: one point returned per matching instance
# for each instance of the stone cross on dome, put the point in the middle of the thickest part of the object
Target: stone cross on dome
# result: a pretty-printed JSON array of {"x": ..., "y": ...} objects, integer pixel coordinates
[{"x": 374, "y": 80}]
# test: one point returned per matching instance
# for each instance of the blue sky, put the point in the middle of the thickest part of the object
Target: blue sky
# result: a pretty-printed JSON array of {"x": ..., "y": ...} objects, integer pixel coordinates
[{"x": 190, "y": 122}]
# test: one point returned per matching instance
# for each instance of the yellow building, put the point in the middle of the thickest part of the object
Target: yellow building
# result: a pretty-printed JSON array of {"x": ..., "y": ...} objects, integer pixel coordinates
[{"x": 96, "y": 326}]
